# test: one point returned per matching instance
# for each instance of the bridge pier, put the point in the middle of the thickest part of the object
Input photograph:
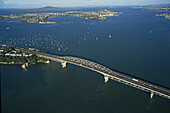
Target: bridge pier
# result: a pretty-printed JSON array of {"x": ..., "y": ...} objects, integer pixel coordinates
[
  {"x": 63, "y": 64},
  {"x": 151, "y": 95},
  {"x": 106, "y": 78}
]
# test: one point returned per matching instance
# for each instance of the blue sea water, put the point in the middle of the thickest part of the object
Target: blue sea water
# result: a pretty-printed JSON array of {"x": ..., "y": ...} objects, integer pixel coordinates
[{"x": 139, "y": 45}]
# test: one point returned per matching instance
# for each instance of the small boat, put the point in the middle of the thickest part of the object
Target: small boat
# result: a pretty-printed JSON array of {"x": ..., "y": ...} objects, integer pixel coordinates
[
  {"x": 7, "y": 28},
  {"x": 110, "y": 36}
]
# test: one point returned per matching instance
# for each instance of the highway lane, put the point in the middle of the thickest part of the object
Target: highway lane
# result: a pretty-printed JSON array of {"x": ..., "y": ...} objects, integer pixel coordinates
[{"x": 120, "y": 77}]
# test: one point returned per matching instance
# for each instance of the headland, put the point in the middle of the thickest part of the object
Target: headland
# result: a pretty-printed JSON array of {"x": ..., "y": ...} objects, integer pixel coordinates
[{"x": 9, "y": 55}]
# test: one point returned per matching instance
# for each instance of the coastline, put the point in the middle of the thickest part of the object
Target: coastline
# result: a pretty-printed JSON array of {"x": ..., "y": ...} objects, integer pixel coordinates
[
  {"x": 13, "y": 63},
  {"x": 10, "y": 63},
  {"x": 42, "y": 17},
  {"x": 47, "y": 22},
  {"x": 11, "y": 56}
]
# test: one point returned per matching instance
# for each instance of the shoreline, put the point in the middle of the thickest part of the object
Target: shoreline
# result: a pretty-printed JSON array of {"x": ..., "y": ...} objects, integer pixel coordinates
[
  {"x": 41, "y": 19},
  {"x": 47, "y": 22},
  {"x": 10, "y": 63},
  {"x": 13, "y": 63}
]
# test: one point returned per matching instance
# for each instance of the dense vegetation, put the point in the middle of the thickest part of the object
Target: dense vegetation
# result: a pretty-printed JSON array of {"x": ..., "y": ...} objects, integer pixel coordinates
[
  {"x": 32, "y": 59},
  {"x": 17, "y": 59}
]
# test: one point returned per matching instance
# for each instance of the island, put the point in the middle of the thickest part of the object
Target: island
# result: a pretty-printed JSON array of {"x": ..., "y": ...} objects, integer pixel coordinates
[
  {"x": 10, "y": 55},
  {"x": 161, "y": 7},
  {"x": 42, "y": 17}
]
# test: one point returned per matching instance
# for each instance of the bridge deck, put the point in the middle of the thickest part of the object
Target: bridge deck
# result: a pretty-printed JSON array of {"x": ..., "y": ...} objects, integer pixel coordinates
[{"x": 120, "y": 77}]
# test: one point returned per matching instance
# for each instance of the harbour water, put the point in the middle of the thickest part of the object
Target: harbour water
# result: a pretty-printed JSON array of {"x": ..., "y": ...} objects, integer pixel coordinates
[{"x": 136, "y": 42}]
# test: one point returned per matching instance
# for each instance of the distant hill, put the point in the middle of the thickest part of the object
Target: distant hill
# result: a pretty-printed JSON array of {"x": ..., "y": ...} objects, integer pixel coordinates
[{"x": 48, "y": 8}]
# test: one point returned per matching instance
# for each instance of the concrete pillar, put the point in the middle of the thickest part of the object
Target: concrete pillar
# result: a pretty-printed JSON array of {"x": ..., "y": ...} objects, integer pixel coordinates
[
  {"x": 151, "y": 95},
  {"x": 106, "y": 78},
  {"x": 24, "y": 66},
  {"x": 63, "y": 64}
]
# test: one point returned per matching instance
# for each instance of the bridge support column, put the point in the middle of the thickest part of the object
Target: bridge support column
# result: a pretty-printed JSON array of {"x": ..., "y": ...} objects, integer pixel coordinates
[
  {"x": 106, "y": 78},
  {"x": 151, "y": 95},
  {"x": 63, "y": 64}
]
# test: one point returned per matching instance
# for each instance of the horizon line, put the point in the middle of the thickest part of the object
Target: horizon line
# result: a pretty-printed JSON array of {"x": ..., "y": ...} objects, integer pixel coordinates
[{"x": 11, "y": 7}]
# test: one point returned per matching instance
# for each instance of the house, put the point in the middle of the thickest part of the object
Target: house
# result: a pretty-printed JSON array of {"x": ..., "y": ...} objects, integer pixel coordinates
[
  {"x": 1, "y": 50},
  {"x": 18, "y": 54},
  {"x": 7, "y": 54},
  {"x": 14, "y": 51},
  {"x": 30, "y": 54},
  {"x": 25, "y": 55}
]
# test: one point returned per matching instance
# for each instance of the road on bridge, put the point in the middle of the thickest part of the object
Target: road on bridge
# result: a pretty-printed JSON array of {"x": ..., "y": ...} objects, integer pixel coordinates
[{"x": 108, "y": 73}]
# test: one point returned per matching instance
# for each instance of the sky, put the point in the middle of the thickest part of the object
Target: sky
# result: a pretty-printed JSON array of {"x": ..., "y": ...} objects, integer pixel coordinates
[{"x": 76, "y": 3}]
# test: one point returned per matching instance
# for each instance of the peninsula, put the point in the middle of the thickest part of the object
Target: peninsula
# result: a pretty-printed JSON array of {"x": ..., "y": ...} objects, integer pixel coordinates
[
  {"x": 42, "y": 17},
  {"x": 9, "y": 55}
]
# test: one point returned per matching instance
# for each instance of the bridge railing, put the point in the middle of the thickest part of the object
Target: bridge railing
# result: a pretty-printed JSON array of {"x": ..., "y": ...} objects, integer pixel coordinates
[{"x": 102, "y": 69}]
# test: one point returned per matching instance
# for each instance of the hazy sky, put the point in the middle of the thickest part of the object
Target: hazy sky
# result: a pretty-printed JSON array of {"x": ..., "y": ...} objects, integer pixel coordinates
[{"x": 66, "y": 3}]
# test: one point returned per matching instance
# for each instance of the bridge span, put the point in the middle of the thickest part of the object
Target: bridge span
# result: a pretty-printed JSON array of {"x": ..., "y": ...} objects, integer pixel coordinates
[{"x": 106, "y": 72}]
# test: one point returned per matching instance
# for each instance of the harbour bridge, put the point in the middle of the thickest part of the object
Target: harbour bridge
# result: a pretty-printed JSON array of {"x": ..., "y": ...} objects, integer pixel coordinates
[{"x": 106, "y": 72}]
